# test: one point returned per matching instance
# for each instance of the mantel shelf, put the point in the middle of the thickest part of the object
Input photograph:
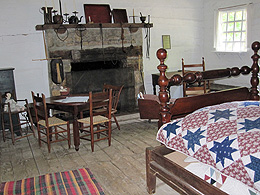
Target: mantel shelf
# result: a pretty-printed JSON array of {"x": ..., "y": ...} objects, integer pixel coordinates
[{"x": 95, "y": 25}]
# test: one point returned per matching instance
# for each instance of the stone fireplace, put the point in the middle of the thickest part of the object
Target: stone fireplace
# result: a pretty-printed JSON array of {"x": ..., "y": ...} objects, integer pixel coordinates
[{"x": 94, "y": 56}]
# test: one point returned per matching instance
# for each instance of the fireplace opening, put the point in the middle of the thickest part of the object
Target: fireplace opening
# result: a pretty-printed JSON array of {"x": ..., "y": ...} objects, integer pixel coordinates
[
  {"x": 98, "y": 65},
  {"x": 91, "y": 76}
]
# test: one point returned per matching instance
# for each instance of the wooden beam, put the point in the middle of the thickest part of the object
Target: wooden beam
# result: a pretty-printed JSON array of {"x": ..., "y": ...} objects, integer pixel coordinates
[{"x": 94, "y": 25}]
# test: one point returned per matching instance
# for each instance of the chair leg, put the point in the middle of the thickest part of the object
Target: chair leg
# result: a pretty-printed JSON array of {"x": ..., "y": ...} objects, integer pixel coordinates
[
  {"x": 30, "y": 120},
  {"x": 68, "y": 133},
  {"x": 48, "y": 139},
  {"x": 3, "y": 126},
  {"x": 39, "y": 135},
  {"x": 11, "y": 127},
  {"x": 92, "y": 138},
  {"x": 109, "y": 133},
  {"x": 117, "y": 124}
]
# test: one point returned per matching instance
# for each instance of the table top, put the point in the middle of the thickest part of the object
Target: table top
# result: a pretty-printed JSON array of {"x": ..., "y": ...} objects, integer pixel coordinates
[
  {"x": 68, "y": 100},
  {"x": 66, "y": 103}
]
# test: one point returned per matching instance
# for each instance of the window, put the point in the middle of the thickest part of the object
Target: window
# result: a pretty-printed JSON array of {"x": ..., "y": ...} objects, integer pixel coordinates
[{"x": 232, "y": 30}]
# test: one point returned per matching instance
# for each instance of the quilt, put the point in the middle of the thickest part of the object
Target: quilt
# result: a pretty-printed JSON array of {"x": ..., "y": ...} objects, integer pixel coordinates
[{"x": 225, "y": 137}]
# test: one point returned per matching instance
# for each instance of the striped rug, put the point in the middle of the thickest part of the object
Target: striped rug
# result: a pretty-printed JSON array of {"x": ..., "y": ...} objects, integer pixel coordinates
[{"x": 79, "y": 181}]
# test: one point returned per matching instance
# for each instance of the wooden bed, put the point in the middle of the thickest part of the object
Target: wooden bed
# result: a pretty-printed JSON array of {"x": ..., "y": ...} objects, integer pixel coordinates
[{"x": 157, "y": 165}]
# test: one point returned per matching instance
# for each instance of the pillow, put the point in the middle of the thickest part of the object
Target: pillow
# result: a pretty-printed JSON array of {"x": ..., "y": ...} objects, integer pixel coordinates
[{"x": 224, "y": 136}]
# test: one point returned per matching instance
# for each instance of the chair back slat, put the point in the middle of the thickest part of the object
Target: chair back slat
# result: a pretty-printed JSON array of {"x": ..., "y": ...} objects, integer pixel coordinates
[
  {"x": 100, "y": 100},
  {"x": 200, "y": 87},
  {"x": 116, "y": 91},
  {"x": 40, "y": 108}
]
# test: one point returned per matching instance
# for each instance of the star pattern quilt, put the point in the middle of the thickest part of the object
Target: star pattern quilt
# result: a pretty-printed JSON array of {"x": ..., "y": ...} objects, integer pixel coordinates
[{"x": 226, "y": 137}]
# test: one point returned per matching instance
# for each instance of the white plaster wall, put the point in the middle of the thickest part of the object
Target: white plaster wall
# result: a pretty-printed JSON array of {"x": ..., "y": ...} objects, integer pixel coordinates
[
  {"x": 21, "y": 44},
  {"x": 222, "y": 60}
]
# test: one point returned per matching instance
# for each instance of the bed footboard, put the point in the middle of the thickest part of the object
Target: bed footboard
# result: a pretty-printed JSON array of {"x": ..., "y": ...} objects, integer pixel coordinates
[{"x": 173, "y": 174}]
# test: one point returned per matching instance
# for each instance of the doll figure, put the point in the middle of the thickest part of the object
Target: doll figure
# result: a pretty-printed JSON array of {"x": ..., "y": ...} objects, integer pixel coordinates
[{"x": 13, "y": 104}]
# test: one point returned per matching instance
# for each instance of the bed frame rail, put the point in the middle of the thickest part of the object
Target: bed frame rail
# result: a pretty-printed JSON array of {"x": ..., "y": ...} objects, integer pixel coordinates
[
  {"x": 174, "y": 175},
  {"x": 163, "y": 81}
]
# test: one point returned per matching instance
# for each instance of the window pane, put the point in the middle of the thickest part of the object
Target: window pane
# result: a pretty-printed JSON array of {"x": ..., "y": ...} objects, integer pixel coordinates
[
  {"x": 224, "y": 17},
  {"x": 224, "y": 27},
  {"x": 224, "y": 37},
  {"x": 237, "y": 36},
  {"x": 239, "y": 15},
  {"x": 238, "y": 26},
  {"x": 236, "y": 47},
  {"x": 244, "y": 15},
  {"x": 230, "y": 26},
  {"x": 243, "y": 36},
  {"x": 231, "y": 16},
  {"x": 244, "y": 26},
  {"x": 229, "y": 36},
  {"x": 229, "y": 46},
  {"x": 243, "y": 46}
]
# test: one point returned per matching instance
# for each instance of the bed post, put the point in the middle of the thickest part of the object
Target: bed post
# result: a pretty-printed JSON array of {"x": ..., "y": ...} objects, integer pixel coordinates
[
  {"x": 255, "y": 71},
  {"x": 163, "y": 82}
]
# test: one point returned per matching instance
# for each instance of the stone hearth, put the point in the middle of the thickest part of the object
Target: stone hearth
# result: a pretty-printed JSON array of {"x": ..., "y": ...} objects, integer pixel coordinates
[{"x": 80, "y": 49}]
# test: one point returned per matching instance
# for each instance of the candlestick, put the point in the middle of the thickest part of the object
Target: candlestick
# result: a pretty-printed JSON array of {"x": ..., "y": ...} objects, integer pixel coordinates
[
  {"x": 60, "y": 7},
  {"x": 133, "y": 15},
  {"x": 45, "y": 6}
]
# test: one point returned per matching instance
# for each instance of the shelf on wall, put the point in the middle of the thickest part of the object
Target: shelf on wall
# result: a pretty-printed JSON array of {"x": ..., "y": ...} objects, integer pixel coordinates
[{"x": 95, "y": 25}]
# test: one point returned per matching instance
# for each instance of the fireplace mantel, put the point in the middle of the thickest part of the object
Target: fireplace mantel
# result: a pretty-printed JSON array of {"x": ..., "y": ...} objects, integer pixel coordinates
[
  {"x": 84, "y": 44},
  {"x": 95, "y": 25}
]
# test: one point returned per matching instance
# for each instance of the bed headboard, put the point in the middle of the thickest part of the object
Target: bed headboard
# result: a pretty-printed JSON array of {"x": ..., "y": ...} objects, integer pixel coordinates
[{"x": 186, "y": 105}]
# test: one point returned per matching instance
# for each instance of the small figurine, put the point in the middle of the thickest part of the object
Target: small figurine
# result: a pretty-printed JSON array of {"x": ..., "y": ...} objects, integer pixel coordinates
[{"x": 13, "y": 104}]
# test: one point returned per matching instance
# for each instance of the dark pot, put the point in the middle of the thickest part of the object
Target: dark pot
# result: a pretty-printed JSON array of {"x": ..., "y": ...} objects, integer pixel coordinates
[
  {"x": 57, "y": 19},
  {"x": 74, "y": 20}
]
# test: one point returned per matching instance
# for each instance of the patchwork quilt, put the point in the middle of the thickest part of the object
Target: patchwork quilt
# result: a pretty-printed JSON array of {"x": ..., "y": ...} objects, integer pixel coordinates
[{"x": 225, "y": 137}]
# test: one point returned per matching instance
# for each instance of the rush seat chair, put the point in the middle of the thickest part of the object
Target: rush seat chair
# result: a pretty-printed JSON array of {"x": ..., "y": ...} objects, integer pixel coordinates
[
  {"x": 49, "y": 127},
  {"x": 97, "y": 126}
]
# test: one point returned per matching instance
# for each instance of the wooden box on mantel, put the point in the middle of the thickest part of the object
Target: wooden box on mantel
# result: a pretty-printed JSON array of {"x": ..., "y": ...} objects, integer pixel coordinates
[{"x": 97, "y": 13}]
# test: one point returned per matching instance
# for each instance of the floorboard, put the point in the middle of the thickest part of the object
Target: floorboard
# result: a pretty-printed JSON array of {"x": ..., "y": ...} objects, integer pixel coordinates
[{"x": 120, "y": 168}]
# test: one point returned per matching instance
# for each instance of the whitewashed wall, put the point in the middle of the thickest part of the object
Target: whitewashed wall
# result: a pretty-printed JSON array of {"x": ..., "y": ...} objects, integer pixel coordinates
[{"x": 222, "y": 60}]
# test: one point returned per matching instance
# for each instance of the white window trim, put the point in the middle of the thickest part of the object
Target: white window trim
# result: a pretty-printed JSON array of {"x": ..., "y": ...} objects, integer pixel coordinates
[{"x": 249, "y": 9}]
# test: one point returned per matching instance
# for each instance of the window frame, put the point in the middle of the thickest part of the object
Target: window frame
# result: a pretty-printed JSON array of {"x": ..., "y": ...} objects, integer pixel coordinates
[{"x": 218, "y": 24}]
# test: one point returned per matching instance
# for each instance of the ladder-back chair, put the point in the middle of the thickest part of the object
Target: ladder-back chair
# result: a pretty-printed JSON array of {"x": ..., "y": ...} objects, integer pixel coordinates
[
  {"x": 98, "y": 123},
  {"x": 194, "y": 88},
  {"x": 116, "y": 91},
  {"x": 49, "y": 126}
]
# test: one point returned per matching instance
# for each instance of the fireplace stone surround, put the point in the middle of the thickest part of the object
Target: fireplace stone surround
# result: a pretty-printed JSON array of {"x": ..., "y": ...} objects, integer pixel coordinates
[{"x": 117, "y": 53}]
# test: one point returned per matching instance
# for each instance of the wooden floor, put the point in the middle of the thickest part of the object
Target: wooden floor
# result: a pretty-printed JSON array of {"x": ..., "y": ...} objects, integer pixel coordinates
[{"x": 120, "y": 168}]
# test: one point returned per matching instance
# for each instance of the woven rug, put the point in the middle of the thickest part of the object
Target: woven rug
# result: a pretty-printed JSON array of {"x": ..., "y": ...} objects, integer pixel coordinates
[{"x": 79, "y": 181}]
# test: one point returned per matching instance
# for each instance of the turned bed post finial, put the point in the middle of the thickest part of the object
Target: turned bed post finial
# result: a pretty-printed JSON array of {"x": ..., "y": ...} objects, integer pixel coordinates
[
  {"x": 163, "y": 93},
  {"x": 255, "y": 71}
]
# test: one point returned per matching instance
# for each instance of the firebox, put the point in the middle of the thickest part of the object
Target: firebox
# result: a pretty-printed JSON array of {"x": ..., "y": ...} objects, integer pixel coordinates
[
  {"x": 112, "y": 55},
  {"x": 91, "y": 76}
]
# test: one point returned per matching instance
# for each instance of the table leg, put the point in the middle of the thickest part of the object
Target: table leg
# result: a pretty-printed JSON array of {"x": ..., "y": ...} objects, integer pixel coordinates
[
  {"x": 76, "y": 134},
  {"x": 76, "y": 129}
]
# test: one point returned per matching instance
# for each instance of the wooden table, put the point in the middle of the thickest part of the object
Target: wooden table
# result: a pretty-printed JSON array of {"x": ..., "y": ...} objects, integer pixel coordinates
[
  {"x": 74, "y": 108},
  {"x": 155, "y": 78}
]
